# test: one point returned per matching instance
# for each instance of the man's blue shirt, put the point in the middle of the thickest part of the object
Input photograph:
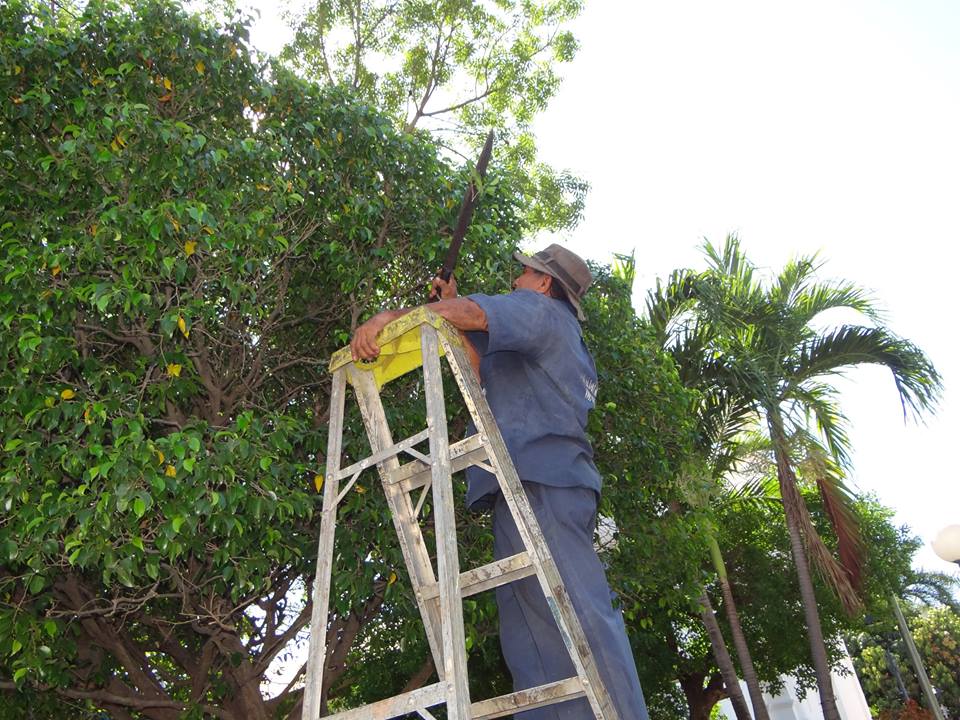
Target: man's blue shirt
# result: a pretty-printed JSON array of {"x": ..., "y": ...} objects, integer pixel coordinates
[{"x": 540, "y": 381}]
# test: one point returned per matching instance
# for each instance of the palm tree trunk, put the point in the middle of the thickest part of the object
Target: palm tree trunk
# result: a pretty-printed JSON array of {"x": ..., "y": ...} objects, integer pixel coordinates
[
  {"x": 739, "y": 641},
  {"x": 791, "y": 499},
  {"x": 722, "y": 656}
]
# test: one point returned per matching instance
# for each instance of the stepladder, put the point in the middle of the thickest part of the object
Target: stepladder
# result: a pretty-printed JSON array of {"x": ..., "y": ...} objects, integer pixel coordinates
[{"x": 419, "y": 341}]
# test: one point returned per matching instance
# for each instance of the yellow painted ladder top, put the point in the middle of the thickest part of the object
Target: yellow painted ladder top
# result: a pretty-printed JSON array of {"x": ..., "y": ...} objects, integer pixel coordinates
[{"x": 399, "y": 345}]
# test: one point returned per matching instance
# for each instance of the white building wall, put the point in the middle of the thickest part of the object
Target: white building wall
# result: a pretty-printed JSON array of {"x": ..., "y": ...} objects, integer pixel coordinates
[{"x": 786, "y": 706}]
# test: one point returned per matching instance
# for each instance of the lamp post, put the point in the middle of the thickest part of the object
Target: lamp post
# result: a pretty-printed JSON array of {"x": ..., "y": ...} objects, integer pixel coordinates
[
  {"x": 922, "y": 677},
  {"x": 947, "y": 544}
]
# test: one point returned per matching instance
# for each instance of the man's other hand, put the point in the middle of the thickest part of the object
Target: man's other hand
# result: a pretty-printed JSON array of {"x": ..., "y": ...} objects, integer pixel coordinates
[
  {"x": 363, "y": 344},
  {"x": 442, "y": 289}
]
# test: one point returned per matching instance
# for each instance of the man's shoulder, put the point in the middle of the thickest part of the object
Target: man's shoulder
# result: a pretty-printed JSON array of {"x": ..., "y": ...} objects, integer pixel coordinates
[{"x": 528, "y": 300}]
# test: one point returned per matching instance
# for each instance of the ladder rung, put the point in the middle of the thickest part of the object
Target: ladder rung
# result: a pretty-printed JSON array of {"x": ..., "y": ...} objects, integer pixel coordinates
[
  {"x": 398, "y": 705},
  {"x": 464, "y": 453},
  {"x": 527, "y": 699},
  {"x": 389, "y": 452},
  {"x": 491, "y": 575}
]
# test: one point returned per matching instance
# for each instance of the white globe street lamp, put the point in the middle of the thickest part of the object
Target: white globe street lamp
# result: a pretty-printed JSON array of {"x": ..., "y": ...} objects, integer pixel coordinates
[{"x": 947, "y": 544}]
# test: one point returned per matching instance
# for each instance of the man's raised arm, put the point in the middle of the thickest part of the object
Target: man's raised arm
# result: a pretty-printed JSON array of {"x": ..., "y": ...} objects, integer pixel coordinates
[{"x": 463, "y": 313}]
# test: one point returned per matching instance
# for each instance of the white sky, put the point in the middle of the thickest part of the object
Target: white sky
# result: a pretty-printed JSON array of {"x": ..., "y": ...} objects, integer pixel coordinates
[{"x": 829, "y": 127}]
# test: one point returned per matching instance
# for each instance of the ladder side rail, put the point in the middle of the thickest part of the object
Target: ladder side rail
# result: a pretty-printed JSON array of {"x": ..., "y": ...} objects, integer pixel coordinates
[
  {"x": 317, "y": 654},
  {"x": 448, "y": 564},
  {"x": 412, "y": 545},
  {"x": 529, "y": 529}
]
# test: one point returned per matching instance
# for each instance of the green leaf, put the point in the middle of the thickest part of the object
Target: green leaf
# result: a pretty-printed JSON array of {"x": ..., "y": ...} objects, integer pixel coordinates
[{"x": 139, "y": 508}]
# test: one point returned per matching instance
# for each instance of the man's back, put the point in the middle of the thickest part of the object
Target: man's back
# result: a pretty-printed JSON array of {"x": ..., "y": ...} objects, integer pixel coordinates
[{"x": 540, "y": 382}]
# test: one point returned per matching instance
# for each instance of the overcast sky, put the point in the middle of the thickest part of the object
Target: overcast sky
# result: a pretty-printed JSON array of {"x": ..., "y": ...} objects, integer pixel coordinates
[
  {"x": 817, "y": 127},
  {"x": 829, "y": 127}
]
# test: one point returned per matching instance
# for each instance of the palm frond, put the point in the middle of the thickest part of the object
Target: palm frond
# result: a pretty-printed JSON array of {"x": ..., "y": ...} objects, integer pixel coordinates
[
  {"x": 818, "y": 403},
  {"x": 722, "y": 419},
  {"x": 728, "y": 290},
  {"x": 918, "y": 382},
  {"x": 668, "y": 300},
  {"x": 761, "y": 491},
  {"x": 933, "y": 588},
  {"x": 838, "y": 502},
  {"x": 625, "y": 267},
  {"x": 821, "y": 297},
  {"x": 793, "y": 280},
  {"x": 832, "y": 571}
]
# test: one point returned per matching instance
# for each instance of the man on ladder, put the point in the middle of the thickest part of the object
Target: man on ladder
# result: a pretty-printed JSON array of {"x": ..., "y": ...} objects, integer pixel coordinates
[{"x": 540, "y": 382}]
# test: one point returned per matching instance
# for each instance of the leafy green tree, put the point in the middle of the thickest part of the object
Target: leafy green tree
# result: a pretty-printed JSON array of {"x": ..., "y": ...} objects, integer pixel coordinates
[
  {"x": 756, "y": 546},
  {"x": 456, "y": 68},
  {"x": 883, "y": 664},
  {"x": 175, "y": 276},
  {"x": 187, "y": 236}
]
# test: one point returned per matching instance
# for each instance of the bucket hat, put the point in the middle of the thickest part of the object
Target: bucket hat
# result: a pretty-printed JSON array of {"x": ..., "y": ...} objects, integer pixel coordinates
[{"x": 565, "y": 267}]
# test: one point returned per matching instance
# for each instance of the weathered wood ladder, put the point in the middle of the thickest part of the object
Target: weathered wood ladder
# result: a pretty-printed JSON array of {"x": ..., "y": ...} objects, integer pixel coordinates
[{"x": 421, "y": 338}]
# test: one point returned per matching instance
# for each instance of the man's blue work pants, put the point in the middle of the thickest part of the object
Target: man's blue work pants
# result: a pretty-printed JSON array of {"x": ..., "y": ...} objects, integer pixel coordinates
[{"x": 529, "y": 637}]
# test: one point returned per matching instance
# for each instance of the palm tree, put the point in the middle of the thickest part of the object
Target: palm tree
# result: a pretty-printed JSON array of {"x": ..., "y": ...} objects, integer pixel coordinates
[
  {"x": 723, "y": 420},
  {"x": 767, "y": 347}
]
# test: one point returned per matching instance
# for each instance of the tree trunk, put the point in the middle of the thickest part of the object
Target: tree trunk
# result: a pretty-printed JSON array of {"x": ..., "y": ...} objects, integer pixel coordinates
[
  {"x": 700, "y": 699},
  {"x": 248, "y": 703},
  {"x": 791, "y": 499},
  {"x": 739, "y": 641},
  {"x": 722, "y": 656}
]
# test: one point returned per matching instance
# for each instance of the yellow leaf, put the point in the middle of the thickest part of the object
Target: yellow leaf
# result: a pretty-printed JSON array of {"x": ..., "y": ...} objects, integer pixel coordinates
[
  {"x": 360, "y": 489},
  {"x": 160, "y": 457},
  {"x": 96, "y": 81},
  {"x": 200, "y": 67},
  {"x": 17, "y": 69},
  {"x": 233, "y": 50},
  {"x": 67, "y": 394},
  {"x": 173, "y": 221},
  {"x": 86, "y": 416},
  {"x": 260, "y": 186},
  {"x": 182, "y": 324},
  {"x": 17, "y": 100},
  {"x": 93, "y": 229},
  {"x": 208, "y": 230},
  {"x": 339, "y": 136},
  {"x": 190, "y": 247},
  {"x": 174, "y": 369},
  {"x": 171, "y": 471},
  {"x": 55, "y": 270},
  {"x": 289, "y": 186},
  {"x": 167, "y": 84},
  {"x": 392, "y": 579},
  {"x": 318, "y": 482},
  {"x": 49, "y": 402},
  {"x": 114, "y": 146},
  {"x": 166, "y": 98}
]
